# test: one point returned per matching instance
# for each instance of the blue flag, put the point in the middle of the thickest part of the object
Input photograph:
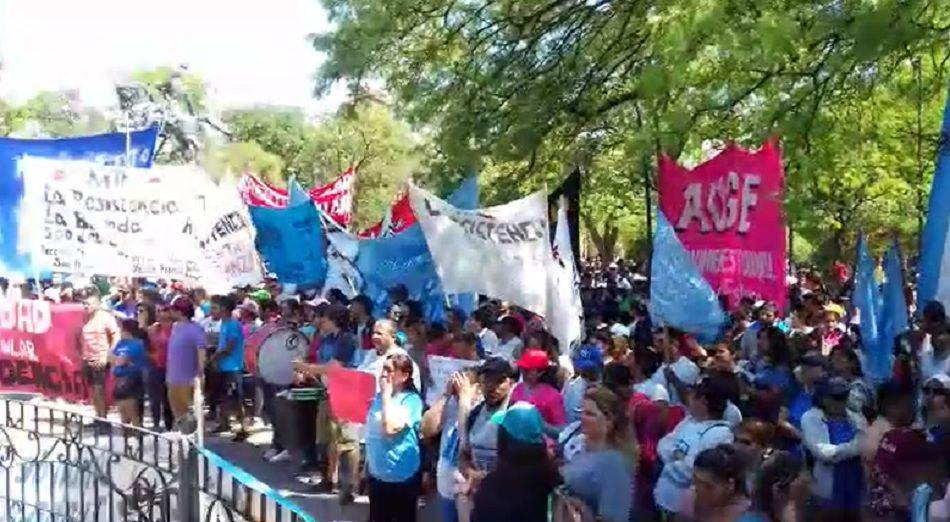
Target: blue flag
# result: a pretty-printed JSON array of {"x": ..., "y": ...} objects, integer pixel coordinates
[
  {"x": 933, "y": 283},
  {"x": 297, "y": 195},
  {"x": 291, "y": 242},
  {"x": 680, "y": 296},
  {"x": 404, "y": 259},
  {"x": 892, "y": 321},
  {"x": 109, "y": 149},
  {"x": 868, "y": 301}
]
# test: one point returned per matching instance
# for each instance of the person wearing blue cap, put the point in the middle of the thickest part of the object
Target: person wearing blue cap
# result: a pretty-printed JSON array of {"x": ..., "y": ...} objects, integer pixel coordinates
[
  {"x": 588, "y": 363},
  {"x": 519, "y": 486}
]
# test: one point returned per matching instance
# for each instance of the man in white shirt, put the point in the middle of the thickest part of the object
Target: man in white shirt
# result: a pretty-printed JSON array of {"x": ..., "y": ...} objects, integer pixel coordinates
[
  {"x": 510, "y": 343},
  {"x": 478, "y": 325}
]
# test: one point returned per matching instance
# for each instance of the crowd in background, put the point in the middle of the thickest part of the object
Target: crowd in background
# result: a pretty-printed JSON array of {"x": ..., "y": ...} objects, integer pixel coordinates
[{"x": 773, "y": 422}]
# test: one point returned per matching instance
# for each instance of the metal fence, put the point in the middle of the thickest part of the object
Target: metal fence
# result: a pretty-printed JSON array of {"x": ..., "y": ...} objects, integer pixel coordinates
[{"x": 57, "y": 464}]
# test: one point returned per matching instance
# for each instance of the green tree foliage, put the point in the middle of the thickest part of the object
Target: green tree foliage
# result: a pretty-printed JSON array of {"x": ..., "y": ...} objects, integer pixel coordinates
[
  {"x": 50, "y": 114},
  {"x": 524, "y": 89},
  {"x": 365, "y": 135}
]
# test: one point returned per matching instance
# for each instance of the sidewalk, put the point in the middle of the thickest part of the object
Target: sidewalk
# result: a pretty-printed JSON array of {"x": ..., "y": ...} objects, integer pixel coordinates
[{"x": 325, "y": 507}]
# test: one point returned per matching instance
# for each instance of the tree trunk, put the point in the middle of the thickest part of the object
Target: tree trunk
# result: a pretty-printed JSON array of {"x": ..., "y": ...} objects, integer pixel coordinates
[{"x": 605, "y": 240}]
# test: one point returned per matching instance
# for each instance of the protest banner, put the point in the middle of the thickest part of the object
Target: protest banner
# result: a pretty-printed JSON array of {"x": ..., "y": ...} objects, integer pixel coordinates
[
  {"x": 136, "y": 148},
  {"x": 441, "y": 370},
  {"x": 727, "y": 212},
  {"x": 85, "y": 218},
  {"x": 502, "y": 252},
  {"x": 256, "y": 193},
  {"x": 335, "y": 199},
  {"x": 291, "y": 242},
  {"x": 39, "y": 348},
  {"x": 226, "y": 241},
  {"x": 350, "y": 394},
  {"x": 398, "y": 218}
]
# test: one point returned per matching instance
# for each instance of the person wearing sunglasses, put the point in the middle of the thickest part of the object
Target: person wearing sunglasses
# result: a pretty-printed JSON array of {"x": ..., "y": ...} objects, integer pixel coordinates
[{"x": 936, "y": 395}]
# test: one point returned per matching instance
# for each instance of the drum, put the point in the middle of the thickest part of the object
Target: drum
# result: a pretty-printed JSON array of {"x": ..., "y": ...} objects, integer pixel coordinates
[{"x": 275, "y": 363}]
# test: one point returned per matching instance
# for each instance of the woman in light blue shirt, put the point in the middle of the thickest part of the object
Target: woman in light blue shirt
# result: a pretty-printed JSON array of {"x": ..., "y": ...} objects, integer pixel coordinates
[{"x": 392, "y": 443}]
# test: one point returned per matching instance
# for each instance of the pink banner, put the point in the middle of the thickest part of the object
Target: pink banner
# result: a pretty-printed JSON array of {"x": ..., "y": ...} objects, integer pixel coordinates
[
  {"x": 728, "y": 214},
  {"x": 335, "y": 198},
  {"x": 39, "y": 348}
]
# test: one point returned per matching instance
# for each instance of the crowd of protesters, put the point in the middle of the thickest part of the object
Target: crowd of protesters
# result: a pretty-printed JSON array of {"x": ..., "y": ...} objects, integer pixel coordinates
[{"x": 773, "y": 422}]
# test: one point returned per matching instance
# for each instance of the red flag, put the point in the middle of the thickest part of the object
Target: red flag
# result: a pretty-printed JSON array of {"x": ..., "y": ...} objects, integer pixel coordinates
[
  {"x": 335, "y": 198},
  {"x": 399, "y": 218},
  {"x": 257, "y": 193},
  {"x": 351, "y": 393}
]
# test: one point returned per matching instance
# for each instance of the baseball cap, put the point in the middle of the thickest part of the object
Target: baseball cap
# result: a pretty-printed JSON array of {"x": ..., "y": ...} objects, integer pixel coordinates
[
  {"x": 686, "y": 371},
  {"x": 588, "y": 357},
  {"x": 833, "y": 387},
  {"x": 522, "y": 421},
  {"x": 534, "y": 359},
  {"x": 900, "y": 447},
  {"x": 939, "y": 381},
  {"x": 835, "y": 308},
  {"x": 814, "y": 360},
  {"x": 496, "y": 366}
]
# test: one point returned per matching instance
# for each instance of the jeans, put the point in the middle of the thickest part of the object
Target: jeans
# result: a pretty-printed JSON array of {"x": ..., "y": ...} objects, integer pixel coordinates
[
  {"x": 448, "y": 511},
  {"x": 158, "y": 403}
]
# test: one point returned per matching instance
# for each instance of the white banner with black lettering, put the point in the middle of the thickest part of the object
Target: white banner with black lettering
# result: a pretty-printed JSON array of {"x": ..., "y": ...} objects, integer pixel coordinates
[
  {"x": 502, "y": 252},
  {"x": 226, "y": 240},
  {"x": 85, "y": 218}
]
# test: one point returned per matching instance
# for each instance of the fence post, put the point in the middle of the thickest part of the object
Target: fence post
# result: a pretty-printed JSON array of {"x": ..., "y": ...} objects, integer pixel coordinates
[{"x": 188, "y": 495}]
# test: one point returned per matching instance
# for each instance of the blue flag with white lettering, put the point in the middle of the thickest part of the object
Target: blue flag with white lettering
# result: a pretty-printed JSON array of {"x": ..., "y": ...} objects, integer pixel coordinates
[
  {"x": 404, "y": 259},
  {"x": 934, "y": 280},
  {"x": 108, "y": 149},
  {"x": 680, "y": 296},
  {"x": 292, "y": 243}
]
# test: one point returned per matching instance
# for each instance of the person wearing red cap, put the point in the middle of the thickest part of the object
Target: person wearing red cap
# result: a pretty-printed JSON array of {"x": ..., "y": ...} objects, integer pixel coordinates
[
  {"x": 547, "y": 399},
  {"x": 903, "y": 461}
]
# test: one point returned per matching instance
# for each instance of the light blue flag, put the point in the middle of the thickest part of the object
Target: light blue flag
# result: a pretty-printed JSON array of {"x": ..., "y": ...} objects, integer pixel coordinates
[
  {"x": 108, "y": 149},
  {"x": 404, "y": 259},
  {"x": 292, "y": 243},
  {"x": 465, "y": 197},
  {"x": 680, "y": 297},
  {"x": 892, "y": 321},
  {"x": 297, "y": 195},
  {"x": 868, "y": 301},
  {"x": 933, "y": 283}
]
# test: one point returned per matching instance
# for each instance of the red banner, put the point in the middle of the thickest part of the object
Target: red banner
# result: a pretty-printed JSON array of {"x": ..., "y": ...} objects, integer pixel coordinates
[
  {"x": 399, "y": 218},
  {"x": 39, "y": 348},
  {"x": 728, "y": 214},
  {"x": 335, "y": 198}
]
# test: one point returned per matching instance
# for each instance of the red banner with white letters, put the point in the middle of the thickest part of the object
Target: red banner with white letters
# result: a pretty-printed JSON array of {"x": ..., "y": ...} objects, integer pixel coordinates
[
  {"x": 727, "y": 212},
  {"x": 39, "y": 348},
  {"x": 335, "y": 198},
  {"x": 399, "y": 217}
]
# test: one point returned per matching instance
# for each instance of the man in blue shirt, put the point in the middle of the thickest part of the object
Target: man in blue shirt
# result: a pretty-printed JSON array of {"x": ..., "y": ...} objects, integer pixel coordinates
[{"x": 228, "y": 360}]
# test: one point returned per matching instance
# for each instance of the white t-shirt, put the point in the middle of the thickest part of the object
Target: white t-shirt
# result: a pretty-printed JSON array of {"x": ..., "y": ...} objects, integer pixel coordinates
[
  {"x": 930, "y": 365},
  {"x": 508, "y": 349},
  {"x": 489, "y": 340}
]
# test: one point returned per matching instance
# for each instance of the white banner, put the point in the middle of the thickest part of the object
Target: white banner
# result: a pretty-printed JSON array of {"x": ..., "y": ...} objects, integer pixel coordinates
[
  {"x": 503, "y": 252},
  {"x": 226, "y": 241},
  {"x": 565, "y": 314},
  {"x": 441, "y": 370},
  {"x": 167, "y": 222}
]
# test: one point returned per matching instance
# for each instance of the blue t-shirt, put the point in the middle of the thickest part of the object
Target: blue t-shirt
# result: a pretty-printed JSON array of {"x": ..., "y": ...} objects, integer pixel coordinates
[
  {"x": 340, "y": 347},
  {"x": 394, "y": 458},
  {"x": 134, "y": 351},
  {"x": 769, "y": 376},
  {"x": 231, "y": 332}
]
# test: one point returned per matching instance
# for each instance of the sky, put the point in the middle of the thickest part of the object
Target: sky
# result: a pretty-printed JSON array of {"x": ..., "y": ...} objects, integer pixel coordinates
[{"x": 249, "y": 52}]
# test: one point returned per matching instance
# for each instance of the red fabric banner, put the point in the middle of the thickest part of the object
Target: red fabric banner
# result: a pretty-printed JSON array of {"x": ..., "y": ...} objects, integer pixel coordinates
[
  {"x": 39, "y": 348},
  {"x": 351, "y": 393},
  {"x": 335, "y": 198},
  {"x": 728, "y": 214},
  {"x": 399, "y": 218}
]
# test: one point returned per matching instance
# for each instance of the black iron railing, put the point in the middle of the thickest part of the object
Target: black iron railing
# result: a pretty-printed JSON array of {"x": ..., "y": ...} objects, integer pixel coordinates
[{"x": 57, "y": 464}]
